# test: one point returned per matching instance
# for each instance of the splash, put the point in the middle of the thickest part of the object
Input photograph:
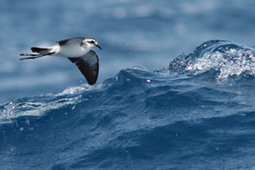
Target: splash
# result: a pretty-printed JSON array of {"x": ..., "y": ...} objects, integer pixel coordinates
[
  {"x": 39, "y": 106},
  {"x": 221, "y": 59}
]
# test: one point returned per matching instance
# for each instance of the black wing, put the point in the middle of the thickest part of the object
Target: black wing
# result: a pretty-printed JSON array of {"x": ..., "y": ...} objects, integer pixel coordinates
[
  {"x": 70, "y": 40},
  {"x": 88, "y": 65}
]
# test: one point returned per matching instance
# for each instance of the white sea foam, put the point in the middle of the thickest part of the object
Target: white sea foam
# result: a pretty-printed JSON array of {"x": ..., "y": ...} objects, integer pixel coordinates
[
  {"x": 33, "y": 108},
  {"x": 232, "y": 62}
]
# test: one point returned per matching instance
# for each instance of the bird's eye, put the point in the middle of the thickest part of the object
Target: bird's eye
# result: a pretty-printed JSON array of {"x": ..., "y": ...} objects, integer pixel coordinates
[{"x": 91, "y": 42}]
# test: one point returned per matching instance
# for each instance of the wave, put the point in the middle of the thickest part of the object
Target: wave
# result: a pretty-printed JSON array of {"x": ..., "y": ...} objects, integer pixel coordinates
[
  {"x": 218, "y": 59},
  {"x": 139, "y": 118},
  {"x": 151, "y": 91}
]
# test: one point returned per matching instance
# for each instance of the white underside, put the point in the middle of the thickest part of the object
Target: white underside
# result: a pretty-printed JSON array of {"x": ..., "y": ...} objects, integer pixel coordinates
[{"x": 74, "y": 50}]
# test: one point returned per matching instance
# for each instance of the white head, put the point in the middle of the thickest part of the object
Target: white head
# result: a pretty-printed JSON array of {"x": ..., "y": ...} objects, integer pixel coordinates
[{"x": 91, "y": 42}]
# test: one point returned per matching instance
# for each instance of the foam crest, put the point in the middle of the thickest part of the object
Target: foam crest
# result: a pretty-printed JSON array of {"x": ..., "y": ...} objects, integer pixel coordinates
[{"x": 220, "y": 59}]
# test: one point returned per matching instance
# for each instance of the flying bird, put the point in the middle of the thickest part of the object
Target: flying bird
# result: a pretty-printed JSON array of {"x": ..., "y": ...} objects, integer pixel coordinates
[{"x": 78, "y": 50}]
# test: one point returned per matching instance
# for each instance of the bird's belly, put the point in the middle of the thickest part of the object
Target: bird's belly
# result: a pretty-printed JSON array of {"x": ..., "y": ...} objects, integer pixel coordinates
[{"x": 72, "y": 51}]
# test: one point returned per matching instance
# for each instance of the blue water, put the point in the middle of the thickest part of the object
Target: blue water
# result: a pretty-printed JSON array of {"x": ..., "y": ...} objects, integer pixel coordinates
[{"x": 175, "y": 90}]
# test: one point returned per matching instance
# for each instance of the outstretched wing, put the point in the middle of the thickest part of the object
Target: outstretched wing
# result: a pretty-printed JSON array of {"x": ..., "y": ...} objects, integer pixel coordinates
[
  {"x": 88, "y": 65},
  {"x": 75, "y": 40}
]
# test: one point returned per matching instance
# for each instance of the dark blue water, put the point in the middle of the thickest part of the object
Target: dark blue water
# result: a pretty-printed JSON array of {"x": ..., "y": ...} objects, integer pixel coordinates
[{"x": 154, "y": 107}]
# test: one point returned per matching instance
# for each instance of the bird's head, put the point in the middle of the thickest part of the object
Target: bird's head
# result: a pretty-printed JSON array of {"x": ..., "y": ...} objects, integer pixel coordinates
[{"x": 91, "y": 42}]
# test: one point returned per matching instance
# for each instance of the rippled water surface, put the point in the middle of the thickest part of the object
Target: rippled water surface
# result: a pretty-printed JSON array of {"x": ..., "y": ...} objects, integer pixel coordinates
[{"x": 175, "y": 90}]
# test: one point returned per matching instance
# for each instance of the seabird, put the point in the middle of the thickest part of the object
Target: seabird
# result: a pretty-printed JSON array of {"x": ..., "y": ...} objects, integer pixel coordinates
[{"x": 77, "y": 50}]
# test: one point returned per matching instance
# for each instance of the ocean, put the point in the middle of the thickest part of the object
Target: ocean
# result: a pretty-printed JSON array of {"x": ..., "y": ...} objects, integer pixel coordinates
[{"x": 175, "y": 87}]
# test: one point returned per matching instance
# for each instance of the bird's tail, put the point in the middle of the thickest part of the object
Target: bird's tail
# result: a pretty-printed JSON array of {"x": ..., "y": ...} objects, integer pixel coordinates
[{"x": 41, "y": 52}]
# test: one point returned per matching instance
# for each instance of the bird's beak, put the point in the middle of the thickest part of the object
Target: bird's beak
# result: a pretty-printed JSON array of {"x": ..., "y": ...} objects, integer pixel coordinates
[{"x": 98, "y": 46}]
